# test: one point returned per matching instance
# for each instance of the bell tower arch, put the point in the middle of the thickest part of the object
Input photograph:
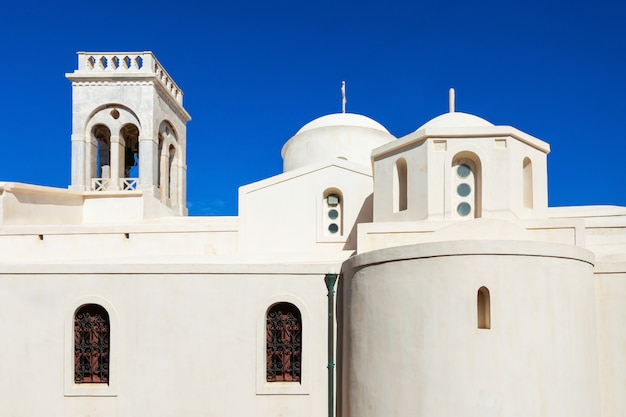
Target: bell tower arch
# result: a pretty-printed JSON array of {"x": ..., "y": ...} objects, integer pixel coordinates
[{"x": 125, "y": 108}]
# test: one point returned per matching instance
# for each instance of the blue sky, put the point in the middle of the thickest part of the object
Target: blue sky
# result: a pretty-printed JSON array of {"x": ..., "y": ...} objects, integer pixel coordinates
[{"x": 254, "y": 72}]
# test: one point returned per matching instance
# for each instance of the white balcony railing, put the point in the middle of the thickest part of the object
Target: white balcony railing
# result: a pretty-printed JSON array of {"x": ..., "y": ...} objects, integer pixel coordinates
[{"x": 104, "y": 184}]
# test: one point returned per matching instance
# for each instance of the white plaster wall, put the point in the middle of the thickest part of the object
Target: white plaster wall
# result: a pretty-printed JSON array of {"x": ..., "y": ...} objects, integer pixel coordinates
[
  {"x": 610, "y": 295},
  {"x": 119, "y": 242},
  {"x": 139, "y": 94},
  {"x": 28, "y": 204},
  {"x": 88, "y": 98},
  {"x": 519, "y": 151},
  {"x": 416, "y": 156},
  {"x": 186, "y": 342},
  {"x": 380, "y": 235},
  {"x": 283, "y": 214},
  {"x": 414, "y": 347},
  {"x": 123, "y": 207}
]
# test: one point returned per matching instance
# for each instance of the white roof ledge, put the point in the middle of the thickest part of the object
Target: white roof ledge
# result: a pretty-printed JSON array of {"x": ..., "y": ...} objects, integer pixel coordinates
[{"x": 460, "y": 133}]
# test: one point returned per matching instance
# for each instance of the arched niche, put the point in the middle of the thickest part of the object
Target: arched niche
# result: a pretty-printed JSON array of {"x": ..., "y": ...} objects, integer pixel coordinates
[
  {"x": 466, "y": 185},
  {"x": 527, "y": 172},
  {"x": 400, "y": 190},
  {"x": 169, "y": 164}
]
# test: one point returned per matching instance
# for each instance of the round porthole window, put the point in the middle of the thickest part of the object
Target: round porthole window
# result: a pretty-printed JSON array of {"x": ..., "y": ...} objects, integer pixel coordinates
[
  {"x": 463, "y": 209},
  {"x": 333, "y": 214},
  {"x": 333, "y": 228},
  {"x": 463, "y": 171},
  {"x": 463, "y": 190}
]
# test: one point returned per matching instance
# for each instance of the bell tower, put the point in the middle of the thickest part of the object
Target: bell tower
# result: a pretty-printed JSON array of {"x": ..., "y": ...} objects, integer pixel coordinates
[{"x": 128, "y": 128}]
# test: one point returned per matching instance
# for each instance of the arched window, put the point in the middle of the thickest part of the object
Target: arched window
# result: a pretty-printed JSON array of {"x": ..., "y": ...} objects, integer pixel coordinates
[
  {"x": 91, "y": 344},
  {"x": 484, "y": 308},
  {"x": 130, "y": 135},
  {"x": 466, "y": 186},
  {"x": 283, "y": 343},
  {"x": 528, "y": 183},
  {"x": 168, "y": 165},
  {"x": 400, "y": 186},
  {"x": 332, "y": 212},
  {"x": 102, "y": 136}
]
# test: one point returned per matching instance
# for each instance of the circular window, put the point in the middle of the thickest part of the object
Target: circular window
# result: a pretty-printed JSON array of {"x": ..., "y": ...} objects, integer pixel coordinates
[
  {"x": 333, "y": 228},
  {"x": 463, "y": 209},
  {"x": 333, "y": 214},
  {"x": 463, "y": 190},
  {"x": 463, "y": 171}
]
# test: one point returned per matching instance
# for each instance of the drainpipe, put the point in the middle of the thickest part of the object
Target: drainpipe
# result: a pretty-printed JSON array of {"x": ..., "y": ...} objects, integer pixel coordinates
[{"x": 330, "y": 280}]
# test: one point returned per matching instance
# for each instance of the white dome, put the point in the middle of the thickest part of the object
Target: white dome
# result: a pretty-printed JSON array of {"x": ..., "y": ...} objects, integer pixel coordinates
[
  {"x": 342, "y": 135},
  {"x": 343, "y": 119},
  {"x": 456, "y": 119}
]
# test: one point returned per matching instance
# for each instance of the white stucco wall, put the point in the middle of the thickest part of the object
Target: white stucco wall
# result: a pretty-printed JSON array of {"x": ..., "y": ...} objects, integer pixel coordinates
[
  {"x": 414, "y": 347},
  {"x": 185, "y": 342},
  {"x": 29, "y": 204},
  {"x": 284, "y": 214},
  {"x": 610, "y": 286}
]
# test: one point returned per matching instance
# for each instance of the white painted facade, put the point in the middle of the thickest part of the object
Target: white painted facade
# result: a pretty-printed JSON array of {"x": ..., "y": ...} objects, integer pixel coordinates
[{"x": 460, "y": 291}]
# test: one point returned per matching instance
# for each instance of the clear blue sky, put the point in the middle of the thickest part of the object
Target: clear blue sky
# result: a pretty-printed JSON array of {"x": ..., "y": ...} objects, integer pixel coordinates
[{"x": 254, "y": 72}]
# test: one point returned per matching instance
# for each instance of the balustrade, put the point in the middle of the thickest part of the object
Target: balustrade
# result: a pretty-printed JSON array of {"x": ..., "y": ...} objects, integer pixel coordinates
[
  {"x": 139, "y": 62},
  {"x": 104, "y": 184}
]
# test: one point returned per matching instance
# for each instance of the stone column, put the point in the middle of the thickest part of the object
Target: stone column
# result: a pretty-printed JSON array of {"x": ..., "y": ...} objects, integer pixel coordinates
[
  {"x": 174, "y": 183},
  {"x": 164, "y": 173},
  {"x": 104, "y": 154},
  {"x": 117, "y": 161},
  {"x": 79, "y": 169},
  {"x": 148, "y": 168},
  {"x": 182, "y": 190}
]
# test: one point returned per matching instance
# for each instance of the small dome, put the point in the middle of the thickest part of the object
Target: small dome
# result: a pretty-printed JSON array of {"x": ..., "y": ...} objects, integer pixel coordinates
[
  {"x": 343, "y": 119},
  {"x": 456, "y": 119},
  {"x": 341, "y": 135}
]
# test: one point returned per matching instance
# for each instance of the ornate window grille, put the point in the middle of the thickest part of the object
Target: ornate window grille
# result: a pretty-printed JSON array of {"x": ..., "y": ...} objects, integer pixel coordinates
[
  {"x": 284, "y": 343},
  {"x": 91, "y": 345}
]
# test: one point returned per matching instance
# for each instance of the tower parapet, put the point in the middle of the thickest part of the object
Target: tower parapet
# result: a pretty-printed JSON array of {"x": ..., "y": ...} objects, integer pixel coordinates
[{"x": 103, "y": 64}]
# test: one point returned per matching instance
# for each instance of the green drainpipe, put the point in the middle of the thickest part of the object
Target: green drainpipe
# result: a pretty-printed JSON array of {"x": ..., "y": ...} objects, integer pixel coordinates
[{"x": 330, "y": 280}]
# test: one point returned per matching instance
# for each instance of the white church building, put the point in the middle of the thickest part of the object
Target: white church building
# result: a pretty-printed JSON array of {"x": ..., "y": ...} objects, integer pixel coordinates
[{"x": 416, "y": 276}]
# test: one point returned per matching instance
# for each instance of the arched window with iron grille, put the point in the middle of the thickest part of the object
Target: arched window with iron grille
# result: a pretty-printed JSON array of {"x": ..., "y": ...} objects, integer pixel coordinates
[
  {"x": 91, "y": 344},
  {"x": 283, "y": 343}
]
